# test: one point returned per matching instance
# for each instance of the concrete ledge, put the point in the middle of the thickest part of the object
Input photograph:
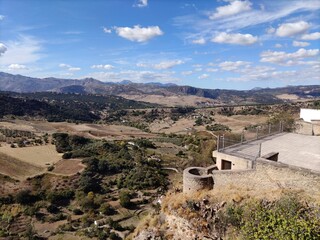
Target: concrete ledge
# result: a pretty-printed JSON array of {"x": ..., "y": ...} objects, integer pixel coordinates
[{"x": 284, "y": 165}]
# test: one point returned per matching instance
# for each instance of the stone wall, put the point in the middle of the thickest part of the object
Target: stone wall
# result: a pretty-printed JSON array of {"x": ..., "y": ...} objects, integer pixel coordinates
[
  {"x": 197, "y": 178},
  {"x": 269, "y": 175}
]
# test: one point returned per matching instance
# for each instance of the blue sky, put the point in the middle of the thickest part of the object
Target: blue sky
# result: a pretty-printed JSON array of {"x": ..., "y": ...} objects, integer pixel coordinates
[{"x": 228, "y": 44}]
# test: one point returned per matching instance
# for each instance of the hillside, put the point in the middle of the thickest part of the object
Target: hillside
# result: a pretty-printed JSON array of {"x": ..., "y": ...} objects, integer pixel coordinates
[
  {"x": 62, "y": 107},
  {"x": 157, "y": 91}
]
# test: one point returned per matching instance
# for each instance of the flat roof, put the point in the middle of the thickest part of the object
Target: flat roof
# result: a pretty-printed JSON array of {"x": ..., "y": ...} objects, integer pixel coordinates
[{"x": 294, "y": 149}]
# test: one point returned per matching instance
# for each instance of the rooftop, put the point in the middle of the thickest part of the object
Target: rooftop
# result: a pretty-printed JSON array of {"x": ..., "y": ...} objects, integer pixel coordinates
[{"x": 294, "y": 149}]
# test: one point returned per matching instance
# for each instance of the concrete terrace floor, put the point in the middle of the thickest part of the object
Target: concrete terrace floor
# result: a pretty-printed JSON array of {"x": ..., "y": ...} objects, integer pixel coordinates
[{"x": 294, "y": 149}]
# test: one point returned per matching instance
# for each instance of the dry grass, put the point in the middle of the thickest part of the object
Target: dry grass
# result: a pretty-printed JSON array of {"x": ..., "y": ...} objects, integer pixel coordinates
[
  {"x": 288, "y": 96},
  {"x": 180, "y": 127},
  {"x": 17, "y": 169},
  {"x": 68, "y": 167},
  {"x": 174, "y": 201},
  {"x": 171, "y": 101},
  {"x": 96, "y": 131},
  {"x": 237, "y": 122},
  {"x": 68, "y": 236},
  {"x": 40, "y": 156}
]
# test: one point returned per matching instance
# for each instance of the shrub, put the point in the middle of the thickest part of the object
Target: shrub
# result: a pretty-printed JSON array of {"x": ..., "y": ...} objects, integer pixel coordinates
[
  {"x": 60, "y": 197},
  {"x": 125, "y": 199},
  {"x": 67, "y": 155},
  {"x": 77, "y": 211},
  {"x": 50, "y": 168},
  {"x": 107, "y": 209},
  {"x": 218, "y": 127},
  {"x": 25, "y": 197}
]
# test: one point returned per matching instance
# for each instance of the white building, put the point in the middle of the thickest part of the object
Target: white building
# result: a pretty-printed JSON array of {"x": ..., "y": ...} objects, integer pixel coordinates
[{"x": 309, "y": 115}]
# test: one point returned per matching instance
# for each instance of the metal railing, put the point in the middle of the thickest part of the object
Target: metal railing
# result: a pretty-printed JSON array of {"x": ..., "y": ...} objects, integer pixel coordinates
[{"x": 249, "y": 134}]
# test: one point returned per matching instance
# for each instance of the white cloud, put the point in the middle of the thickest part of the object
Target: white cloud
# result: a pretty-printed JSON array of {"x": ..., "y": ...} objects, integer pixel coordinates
[
  {"x": 100, "y": 66},
  {"x": 167, "y": 64},
  {"x": 300, "y": 44},
  {"x": 1, "y": 17},
  {"x": 3, "y": 48},
  {"x": 63, "y": 65},
  {"x": 311, "y": 36},
  {"x": 233, "y": 66},
  {"x": 161, "y": 65},
  {"x": 235, "y": 38},
  {"x": 141, "y": 3},
  {"x": 69, "y": 67},
  {"x": 107, "y": 30},
  {"x": 199, "y": 41},
  {"x": 15, "y": 66},
  {"x": 139, "y": 34},
  {"x": 24, "y": 50},
  {"x": 262, "y": 73},
  {"x": 72, "y": 32},
  {"x": 74, "y": 69},
  {"x": 201, "y": 26},
  {"x": 233, "y": 8},
  {"x": 187, "y": 73},
  {"x": 270, "y": 30},
  {"x": 142, "y": 65},
  {"x": 278, "y": 45},
  {"x": 204, "y": 76},
  {"x": 211, "y": 70},
  {"x": 135, "y": 76},
  {"x": 68, "y": 74},
  {"x": 287, "y": 59},
  {"x": 291, "y": 29}
]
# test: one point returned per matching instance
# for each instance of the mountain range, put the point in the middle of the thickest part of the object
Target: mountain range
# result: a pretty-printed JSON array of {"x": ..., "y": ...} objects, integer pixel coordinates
[{"x": 140, "y": 91}]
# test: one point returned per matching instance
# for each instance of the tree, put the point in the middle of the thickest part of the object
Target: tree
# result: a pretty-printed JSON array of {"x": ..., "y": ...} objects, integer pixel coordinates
[
  {"x": 125, "y": 199},
  {"x": 89, "y": 182},
  {"x": 107, "y": 209},
  {"x": 25, "y": 197},
  {"x": 199, "y": 121}
]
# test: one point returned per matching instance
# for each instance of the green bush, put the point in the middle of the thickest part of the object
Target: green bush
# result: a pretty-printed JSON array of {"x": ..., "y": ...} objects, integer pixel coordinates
[
  {"x": 287, "y": 218},
  {"x": 218, "y": 127},
  {"x": 107, "y": 209},
  {"x": 25, "y": 197},
  {"x": 125, "y": 199}
]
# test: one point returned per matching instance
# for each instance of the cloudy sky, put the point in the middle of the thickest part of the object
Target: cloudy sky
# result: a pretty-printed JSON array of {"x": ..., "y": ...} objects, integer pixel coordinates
[{"x": 231, "y": 44}]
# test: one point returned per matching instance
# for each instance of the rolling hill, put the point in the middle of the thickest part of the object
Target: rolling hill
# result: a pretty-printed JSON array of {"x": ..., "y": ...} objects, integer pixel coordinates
[{"x": 139, "y": 91}]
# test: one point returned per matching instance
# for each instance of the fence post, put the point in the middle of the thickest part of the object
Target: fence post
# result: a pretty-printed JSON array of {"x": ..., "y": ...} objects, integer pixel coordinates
[
  {"x": 257, "y": 130},
  {"x": 269, "y": 128},
  {"x": 218, "y": 142},
  {"x": 223, "y": 141},
  {"x": 242, "y": 136},
  {"x": 279, "y": 126}
]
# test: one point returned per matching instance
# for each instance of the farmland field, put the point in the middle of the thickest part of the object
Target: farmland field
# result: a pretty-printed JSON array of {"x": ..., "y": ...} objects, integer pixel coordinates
[
  {"x": 40, "y": 156},
  {"x": 17, "y": 169},
  {"x": 68, "y": 167},
  {"x": 96, "y": 131}
]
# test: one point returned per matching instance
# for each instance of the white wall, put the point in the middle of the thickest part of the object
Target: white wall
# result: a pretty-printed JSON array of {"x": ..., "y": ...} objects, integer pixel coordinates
[
  {"x": 309, "y": 114},
  {"x": 237, "y": 163}
]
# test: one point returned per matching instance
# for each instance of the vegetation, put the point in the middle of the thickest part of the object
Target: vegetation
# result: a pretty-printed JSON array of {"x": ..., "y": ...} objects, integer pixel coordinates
[
  {"x": 122, "y": 178},
  {"x": 218, "y": 127},
  {"x": 63, "y": 107},
  {"x": 287, "y": 218}
]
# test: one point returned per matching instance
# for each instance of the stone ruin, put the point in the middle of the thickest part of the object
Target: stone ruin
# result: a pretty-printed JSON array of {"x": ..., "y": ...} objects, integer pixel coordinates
[{"x": 198, "y": 178}]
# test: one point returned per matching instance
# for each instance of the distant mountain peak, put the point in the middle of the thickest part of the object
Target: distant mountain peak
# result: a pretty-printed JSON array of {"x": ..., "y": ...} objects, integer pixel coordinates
[{"x": 125, "y": 82}]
